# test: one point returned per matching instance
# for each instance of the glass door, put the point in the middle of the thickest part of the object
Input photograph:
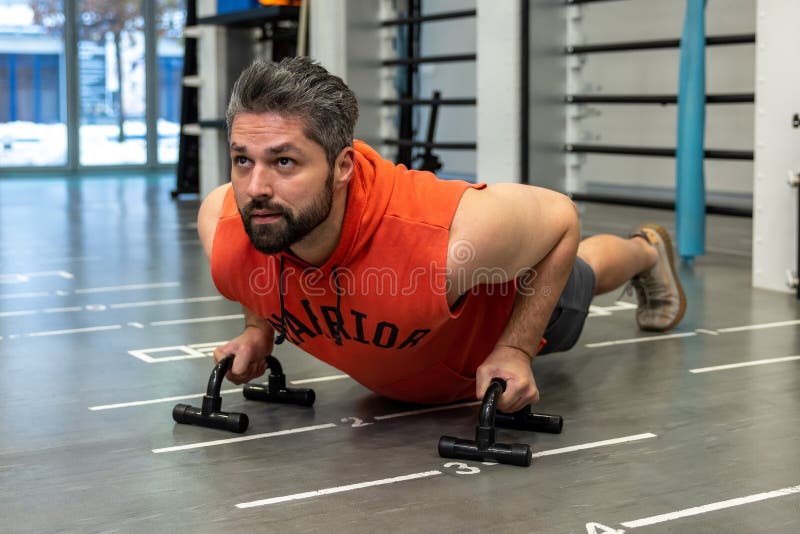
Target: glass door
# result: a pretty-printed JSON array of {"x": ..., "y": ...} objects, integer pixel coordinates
[
  {"x": 111, "y": 74},
  {"x": 33, "y": 115},
  {"x": 90, "y": 83}
]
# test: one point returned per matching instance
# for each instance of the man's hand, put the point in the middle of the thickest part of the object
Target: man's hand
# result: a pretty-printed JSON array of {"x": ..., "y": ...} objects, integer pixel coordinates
[
  {"x": 513, "y": 366},
  {"x": 250, "y": 350}
]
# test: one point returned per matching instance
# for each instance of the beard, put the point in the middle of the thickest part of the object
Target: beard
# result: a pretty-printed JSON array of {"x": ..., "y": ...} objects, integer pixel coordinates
[{"x": 292, "y": 226}]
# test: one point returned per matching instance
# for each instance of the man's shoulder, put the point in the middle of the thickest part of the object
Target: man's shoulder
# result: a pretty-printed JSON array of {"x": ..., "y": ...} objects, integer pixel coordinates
[
  {"x": 423, "y": 197},
  {"x": 211, "y": 210}
]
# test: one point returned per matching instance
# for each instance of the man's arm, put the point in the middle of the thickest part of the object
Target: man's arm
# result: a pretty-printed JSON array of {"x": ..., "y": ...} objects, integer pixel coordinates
[
  {"x": 254, "y": 344},
  {"x": 250, "y": 348},
  {"x": 208, "y": 215},
  {"x": 513, "y": 231}
]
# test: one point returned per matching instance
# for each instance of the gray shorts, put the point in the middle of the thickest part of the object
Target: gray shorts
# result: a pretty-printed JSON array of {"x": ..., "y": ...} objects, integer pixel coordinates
[{"x": 566, "y": 322}]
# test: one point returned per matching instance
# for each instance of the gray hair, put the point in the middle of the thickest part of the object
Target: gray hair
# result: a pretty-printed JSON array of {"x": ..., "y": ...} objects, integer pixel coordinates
[{"x": 299, "y": 87}]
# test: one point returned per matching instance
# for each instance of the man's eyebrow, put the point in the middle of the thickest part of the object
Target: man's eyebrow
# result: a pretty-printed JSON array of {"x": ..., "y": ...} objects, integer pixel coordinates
[
  {"x": 277, "y": 149},
  {"x": 280, "y": 149}
]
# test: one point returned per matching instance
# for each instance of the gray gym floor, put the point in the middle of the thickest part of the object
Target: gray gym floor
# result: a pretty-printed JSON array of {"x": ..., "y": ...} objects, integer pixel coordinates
[{"x": 108, "y": 313}]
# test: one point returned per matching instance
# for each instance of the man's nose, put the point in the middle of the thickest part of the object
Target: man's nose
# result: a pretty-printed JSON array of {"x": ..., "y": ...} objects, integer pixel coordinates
[{"x": 261, "y": 182}]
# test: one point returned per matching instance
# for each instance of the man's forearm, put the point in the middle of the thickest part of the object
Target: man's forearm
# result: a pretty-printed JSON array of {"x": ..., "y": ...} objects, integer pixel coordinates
[
  {"x": 538, "y": 294},
  {"x": 251, "y": 319}
]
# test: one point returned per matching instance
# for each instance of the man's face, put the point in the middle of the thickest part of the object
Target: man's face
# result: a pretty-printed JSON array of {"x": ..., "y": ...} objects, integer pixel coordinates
[{"x": 281, "y": 180}]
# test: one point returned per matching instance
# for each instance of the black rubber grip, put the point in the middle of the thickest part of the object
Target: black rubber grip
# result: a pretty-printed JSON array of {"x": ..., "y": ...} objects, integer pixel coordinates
[
  {"x": 230, "y": 421},
  {"x": 513, "y": 454},
  {"x": 260, "y": 392}
]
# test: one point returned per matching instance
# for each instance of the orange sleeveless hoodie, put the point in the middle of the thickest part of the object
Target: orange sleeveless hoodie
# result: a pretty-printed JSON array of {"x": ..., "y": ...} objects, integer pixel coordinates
[{"x": 381, "y": 294}]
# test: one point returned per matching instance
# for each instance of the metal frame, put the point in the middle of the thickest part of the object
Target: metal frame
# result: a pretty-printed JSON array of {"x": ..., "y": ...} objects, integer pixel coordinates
[
  {"x": 524, "y": 100},
  {"x": 466, "y": 13},
  {"x": 425, "y": 144},
  {"x": 718, "y": 40},
  {"x": 429, "y": 101},
  {"x": 151, "y": 81},
  {"x": 653, "y": 151},
  {"x": 575, "y": 2},
  {"x": 641, "y": 202},
  {"x": 653, "y": 99},
  {"x": 727, "y": 98},
  {"x": 408, "y": 101},
  {"x": 429, "y": 59}
]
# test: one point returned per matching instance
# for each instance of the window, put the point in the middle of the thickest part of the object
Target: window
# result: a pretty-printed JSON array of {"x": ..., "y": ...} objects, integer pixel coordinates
[
  {"x": 93, "y": 89},
  {"x": 33, "y": 128}
]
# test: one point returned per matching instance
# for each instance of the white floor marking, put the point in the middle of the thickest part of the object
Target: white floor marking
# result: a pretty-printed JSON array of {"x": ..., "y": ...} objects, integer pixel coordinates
[
  {"x": 243, "y": 438},
  {"x": 199, "y": 395},
  {"x": 17, "y": 313},
  {"x": 157, "y": 401},
  {"x": 425, "y": 410},
  {"x": 188, "y": 354},
  {"x": 130, "y": 287},
  {"x": 413, "y": 476},
  {"x": 766, "y": 361},
  {"x": 759, "y": 326},
  {"x": 619, "y": 305},
  {"x": 25, "y": 295},
  {"x": 639, "y": 340},
  {"x": 74, "y": 331},
  {"x": 320, "y": 379},
  {"x": 709, "y": 332},
  {"x": 163, "y": 302},
  {"x": 729, "y": 251},
  {"x": 604, "y": 443},
  {"x": 198, "y": 320},
  {"x": 62, "y": 310},
  {"x": 70, "y": 258},
  {"x": 185, "y": 352},
  {"x": 652, "y": 520},
  {"x": 136, "y": 325},
  {"x": 19, "y": 278},
  {"x": 104, "y": 307},
  {"x": 12, "y": 279},
  {"x": 337, "y": 489}
]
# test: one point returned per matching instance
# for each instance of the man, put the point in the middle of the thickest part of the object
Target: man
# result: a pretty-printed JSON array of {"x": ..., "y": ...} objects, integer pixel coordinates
[{"x": 420, "y": 289}]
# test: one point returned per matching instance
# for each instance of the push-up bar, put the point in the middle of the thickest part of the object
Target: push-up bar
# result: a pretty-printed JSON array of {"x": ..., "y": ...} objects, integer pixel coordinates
[
  {"x": 211, "y": 415},
  {"x": 484, "y": 447}
]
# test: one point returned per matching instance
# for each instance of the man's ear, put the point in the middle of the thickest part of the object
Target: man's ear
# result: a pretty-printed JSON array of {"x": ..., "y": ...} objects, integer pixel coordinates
[{"x": 344, "y": 167}]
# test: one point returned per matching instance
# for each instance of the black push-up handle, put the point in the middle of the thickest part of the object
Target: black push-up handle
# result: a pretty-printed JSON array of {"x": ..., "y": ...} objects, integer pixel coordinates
[
  {"x": 525, "y": 419},
  {"x": 210, "y": 414},
  {"x": 275, "y": 389},
  {"x": 484, "y": 447}
]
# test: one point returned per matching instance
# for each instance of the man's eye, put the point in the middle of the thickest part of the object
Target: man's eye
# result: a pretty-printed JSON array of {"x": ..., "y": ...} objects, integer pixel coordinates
[
  {"x": 241, "y": 160},
  {"x": 284, "y": 162}
]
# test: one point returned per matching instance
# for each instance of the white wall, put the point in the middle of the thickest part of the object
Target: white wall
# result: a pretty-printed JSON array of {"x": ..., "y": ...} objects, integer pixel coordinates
[
  {"x": 498, "y": 91},
  {"x": 777, "y": 149}
]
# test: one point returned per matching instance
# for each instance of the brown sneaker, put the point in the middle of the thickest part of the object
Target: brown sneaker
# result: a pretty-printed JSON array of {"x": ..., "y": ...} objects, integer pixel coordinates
[{"x": 659, "y": 293}]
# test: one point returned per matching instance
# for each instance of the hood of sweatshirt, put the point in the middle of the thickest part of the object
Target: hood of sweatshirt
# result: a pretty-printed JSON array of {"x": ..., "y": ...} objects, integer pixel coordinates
[{"x": 368, "y": 195}]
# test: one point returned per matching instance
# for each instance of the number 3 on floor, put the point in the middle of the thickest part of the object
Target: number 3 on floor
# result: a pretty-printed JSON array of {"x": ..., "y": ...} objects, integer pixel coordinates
[{"x": 462, "y": 468}]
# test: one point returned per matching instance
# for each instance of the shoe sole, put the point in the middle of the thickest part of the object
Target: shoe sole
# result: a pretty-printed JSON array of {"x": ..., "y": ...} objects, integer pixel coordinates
[{"x": 662, "y": 232}]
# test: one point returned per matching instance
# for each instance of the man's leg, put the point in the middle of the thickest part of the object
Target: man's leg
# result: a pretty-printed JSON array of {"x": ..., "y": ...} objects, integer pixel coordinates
[
  {"x": 615, "y": 260},
  {"x": 646, "y": 260}
]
